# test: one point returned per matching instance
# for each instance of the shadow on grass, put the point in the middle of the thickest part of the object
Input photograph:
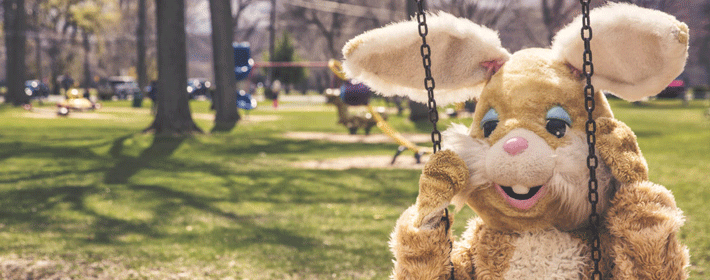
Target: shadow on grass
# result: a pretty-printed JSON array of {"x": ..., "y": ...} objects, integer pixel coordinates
[
  {"x": 58, "y": 155},
  {"x": 250, "y": 227},
  {"x": 647, "y": 133},
  {"x": 223, "y": 127},
  {"x": 162, "y": 148},
  {"x": 36, "y": 209},
  {"x": 67, "y": 213},
  {"x": 245, "y": 147},
  {"x": 31, "y": 149}
]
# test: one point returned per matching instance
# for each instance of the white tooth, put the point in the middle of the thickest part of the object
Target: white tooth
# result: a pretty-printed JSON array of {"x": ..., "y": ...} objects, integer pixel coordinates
[{"x": 520, "y": 189}]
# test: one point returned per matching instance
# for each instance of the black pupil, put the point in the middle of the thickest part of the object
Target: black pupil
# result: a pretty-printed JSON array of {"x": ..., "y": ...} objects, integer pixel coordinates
[
  {"x": 488, "y": 128},
  {"x": 556, "y": 127}
]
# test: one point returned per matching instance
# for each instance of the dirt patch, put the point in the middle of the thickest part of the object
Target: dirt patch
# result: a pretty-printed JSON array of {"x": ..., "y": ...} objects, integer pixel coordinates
[
  {"x": 45, "y": 113},
  {"x": 18, "y": 268},
  {"x": 125, "y": 110},
  {"x": 105, "y": 114},
  {"x": 405, "y": 161},
  {"x": 246, "y": 119},
  {"x": 15, "y": 267},
  {"x": 347, "y": 138}
]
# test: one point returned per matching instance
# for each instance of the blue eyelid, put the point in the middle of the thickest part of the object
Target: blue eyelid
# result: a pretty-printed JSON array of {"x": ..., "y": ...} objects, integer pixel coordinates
[
  {"x": 491, "y": 115},
  {"x": 559, "y": 113}
]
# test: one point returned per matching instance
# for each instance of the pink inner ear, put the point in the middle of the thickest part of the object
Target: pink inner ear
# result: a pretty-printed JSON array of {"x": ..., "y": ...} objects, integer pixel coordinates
[
  {"x": 493, "y": 66},
  {"x": 576, "y": 72}
]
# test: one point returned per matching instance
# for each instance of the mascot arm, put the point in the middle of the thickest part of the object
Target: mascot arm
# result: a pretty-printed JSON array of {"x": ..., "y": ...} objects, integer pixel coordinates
[
  {"x": 421, "y": 241},
  {"x": 643, "y": 220},
  {"x": 421, "y": 252},
  {"x": 643, "y": 223}
]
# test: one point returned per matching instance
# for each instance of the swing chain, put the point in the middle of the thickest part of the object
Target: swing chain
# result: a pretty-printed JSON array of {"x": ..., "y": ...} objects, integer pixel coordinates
[
  {"x": 591, "y": 128},
  {"x": 425, "y": 51}
]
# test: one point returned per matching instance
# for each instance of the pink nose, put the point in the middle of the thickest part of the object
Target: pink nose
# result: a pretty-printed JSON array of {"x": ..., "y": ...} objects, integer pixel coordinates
[{"x": 515, "y": 145}]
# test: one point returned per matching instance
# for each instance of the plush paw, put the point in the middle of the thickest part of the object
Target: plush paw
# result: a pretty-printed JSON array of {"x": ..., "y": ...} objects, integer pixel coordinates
[
  {"x": 442, "y": 177},
  {"x": 619, "y": 150}
]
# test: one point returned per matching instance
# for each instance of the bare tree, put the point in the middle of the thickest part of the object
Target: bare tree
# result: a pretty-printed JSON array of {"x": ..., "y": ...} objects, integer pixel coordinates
[
  {"x": 15, "y": 27},
  {"x": 704, "y": 42},
  {"x": 243, "y": 33},
  {"x": 328, "y": 24},
  {"x": 488, "y": 13},
  {"x": 140, "y": 45},
  {"x": 61, "y": 25},
  {"x": 225, "y": 98},
  {"x": 555, "y": 14},
  {"x": 37, "y": 39},
  {"x": 653, "y": 4},
  {"x": 173, "y": 115}
]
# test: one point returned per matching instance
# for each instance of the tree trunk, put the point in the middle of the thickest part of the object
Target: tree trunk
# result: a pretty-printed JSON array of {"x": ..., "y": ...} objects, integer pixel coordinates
[
  {"x": 38, "y": 57},
  {"x": 704, "y": 56},
  {"x": 173, "y": 116},
  {"x": 225, "y": 97},
  {"x": 87, "y": 63},
  {"x": 38, "y": 42},
  {"x": 140, "y": 45},
  {"x": 15, "y": 48},
  {"x": 272, "y": 36}
]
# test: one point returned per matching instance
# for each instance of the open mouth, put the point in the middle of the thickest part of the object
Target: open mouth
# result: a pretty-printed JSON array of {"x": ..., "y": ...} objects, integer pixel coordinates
[
  {"x": 521, "y": 193},
  {"x": 521, "y": 197}
]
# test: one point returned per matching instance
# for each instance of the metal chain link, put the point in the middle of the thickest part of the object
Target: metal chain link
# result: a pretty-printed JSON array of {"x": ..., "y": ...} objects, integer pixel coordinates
[
  {"x": 591, "y": 129},
  {"x": 425, "y": 51}
]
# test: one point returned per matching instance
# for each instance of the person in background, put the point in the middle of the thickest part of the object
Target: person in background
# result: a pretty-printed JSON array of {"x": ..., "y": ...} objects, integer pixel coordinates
[{"x": 275, "y": 89}]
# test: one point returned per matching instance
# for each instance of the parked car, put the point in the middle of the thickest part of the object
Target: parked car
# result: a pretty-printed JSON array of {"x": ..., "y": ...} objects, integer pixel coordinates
[
  {"x": 36, "y": 89},
  {"x": 198, "y": 87},
  {"x": 674, "y": 90},
  {"x": 118, "y": 87}
]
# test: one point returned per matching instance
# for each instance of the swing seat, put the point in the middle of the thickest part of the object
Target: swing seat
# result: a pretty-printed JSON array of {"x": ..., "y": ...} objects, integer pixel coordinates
[{"x": 355, "y": 94}]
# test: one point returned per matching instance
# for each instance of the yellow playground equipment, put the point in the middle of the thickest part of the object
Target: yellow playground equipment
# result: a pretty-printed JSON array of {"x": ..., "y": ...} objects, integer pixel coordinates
[
  {"x": 75, "y": 102},
  {"x": 404, "y": 144}
]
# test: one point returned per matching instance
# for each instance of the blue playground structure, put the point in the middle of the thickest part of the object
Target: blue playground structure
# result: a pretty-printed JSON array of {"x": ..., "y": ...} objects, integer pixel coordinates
[{"x": 243, "y": 63}]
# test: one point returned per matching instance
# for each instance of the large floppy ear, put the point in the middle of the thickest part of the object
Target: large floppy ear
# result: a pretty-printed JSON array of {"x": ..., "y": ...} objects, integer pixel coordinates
[
  {"x": 636, "y": 52},
  {"x": 464, "y": 56}
]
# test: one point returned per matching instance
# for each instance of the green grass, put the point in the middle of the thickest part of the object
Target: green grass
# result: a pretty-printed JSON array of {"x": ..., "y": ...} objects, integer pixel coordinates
[{"x": 96, "y": 197}]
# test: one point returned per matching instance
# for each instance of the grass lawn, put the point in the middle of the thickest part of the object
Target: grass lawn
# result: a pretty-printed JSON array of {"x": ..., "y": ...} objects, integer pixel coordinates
[{"x": 96, "y": 198}]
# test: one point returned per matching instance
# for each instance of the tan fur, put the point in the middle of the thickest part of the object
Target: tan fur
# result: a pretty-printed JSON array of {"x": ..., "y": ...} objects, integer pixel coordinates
[
  {"x": 637, "y": 53},
  {"x": 384, "y": 58},
  {"x": 444, "y": 175},
  {"x": 522, "y": 98},
  {"x": 643, "y": 226},
  {"x": 534, "y": 250},
  {"x": 483, "y": 253},
  {"x": 420, "y": 253},
  {"x": 618, "y": 148},
  {"x": 631, "y": 67}
]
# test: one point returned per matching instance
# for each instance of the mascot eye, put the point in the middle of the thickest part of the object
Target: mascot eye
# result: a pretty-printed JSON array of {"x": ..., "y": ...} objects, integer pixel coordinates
[
  {"x": 488, "y": 128},
  {"x": 489, "y": 122},
  {"x": 556, "y": 127},
  {"x": 557, "y": 121}
]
